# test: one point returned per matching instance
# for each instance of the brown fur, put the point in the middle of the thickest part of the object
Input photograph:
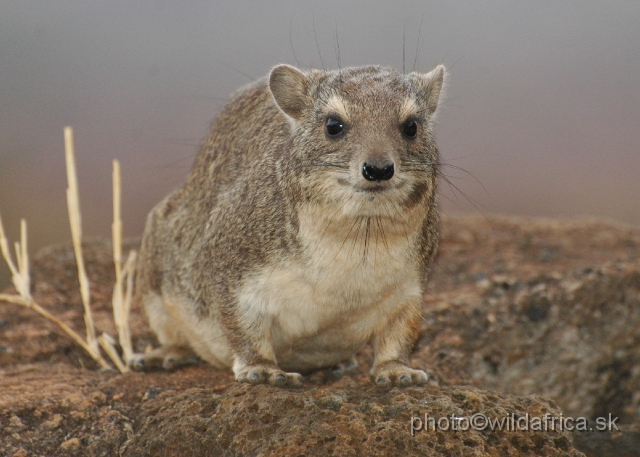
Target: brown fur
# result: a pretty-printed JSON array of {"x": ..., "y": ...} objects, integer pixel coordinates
[{"x": 277, "y": 254}]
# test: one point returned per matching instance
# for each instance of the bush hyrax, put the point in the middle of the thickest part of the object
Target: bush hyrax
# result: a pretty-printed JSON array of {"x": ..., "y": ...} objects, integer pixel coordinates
[{"x": 305, "y": 229}]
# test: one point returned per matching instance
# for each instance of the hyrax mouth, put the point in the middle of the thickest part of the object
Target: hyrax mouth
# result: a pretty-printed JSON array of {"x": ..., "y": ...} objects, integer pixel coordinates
[{"x": 374, "y": 187}]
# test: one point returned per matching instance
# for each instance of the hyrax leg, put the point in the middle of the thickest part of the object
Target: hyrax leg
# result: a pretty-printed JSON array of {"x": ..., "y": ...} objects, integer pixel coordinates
[
  {"x": 254, "y": 359},
  {"x": 392, "y": 346},
  {"x": 174, "y": 350}
]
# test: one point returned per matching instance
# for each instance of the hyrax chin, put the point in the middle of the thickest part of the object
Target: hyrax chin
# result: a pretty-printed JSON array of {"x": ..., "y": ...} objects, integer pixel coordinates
[{"x": 305, "y": 229}]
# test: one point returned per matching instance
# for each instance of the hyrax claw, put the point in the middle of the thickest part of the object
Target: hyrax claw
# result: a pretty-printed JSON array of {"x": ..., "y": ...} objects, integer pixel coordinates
[
  {"x": 343, "y": 368},
  {"x": 399, "y": 375},
  {"x": 136, "y": 362},
  {"x": 269, "y": 375},
  {"x": 166, "y": 357}
]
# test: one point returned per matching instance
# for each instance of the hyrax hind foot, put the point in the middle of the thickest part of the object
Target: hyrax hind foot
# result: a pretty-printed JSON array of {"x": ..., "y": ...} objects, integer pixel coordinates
[
  {"x": 267, "y": 374},
  {"x": 349, "y": 366},
  {"x": 395, "y": 373},
  {"x": 166, "y": 357}
]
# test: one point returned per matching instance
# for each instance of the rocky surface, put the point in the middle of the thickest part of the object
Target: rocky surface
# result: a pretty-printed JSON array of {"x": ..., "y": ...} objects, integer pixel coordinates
[{"x": 521, "y": 317}]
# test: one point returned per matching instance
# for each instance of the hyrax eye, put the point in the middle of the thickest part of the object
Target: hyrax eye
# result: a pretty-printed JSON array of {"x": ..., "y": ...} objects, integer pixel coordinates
[
  {"x": 333, "y": 126},
  {"x": 410, "y": 129}
]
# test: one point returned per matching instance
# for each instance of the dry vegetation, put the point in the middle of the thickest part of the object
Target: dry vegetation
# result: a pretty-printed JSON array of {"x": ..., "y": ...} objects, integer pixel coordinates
[{"x": 122, "y": 291}]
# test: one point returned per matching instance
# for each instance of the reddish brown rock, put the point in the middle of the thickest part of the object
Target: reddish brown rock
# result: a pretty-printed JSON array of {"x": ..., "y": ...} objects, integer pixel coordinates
[{"x": 514, "y": 308}]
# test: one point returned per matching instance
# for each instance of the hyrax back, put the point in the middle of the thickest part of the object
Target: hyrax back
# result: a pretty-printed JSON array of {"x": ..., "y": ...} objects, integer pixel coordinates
[{"x": 305, "y": 228}]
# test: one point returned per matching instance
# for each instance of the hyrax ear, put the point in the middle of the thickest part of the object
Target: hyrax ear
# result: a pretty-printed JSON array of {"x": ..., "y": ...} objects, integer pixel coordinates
[
  {"x": 288, "y": 86},
  {"x": 430, "y": 85}
]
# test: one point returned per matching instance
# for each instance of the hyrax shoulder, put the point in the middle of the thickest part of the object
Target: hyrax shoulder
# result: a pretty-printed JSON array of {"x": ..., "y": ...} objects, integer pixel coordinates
[{"x": 305, "y": 228}]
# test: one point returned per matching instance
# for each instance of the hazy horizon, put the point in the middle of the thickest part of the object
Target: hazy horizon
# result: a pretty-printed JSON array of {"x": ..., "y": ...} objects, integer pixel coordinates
[{"x": 542, "y": 108}]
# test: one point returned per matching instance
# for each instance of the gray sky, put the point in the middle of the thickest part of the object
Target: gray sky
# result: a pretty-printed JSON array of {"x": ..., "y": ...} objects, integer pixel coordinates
[{"x": 543, "y": 105}]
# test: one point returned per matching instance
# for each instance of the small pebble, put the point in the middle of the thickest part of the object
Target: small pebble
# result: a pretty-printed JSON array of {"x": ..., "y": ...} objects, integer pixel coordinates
[
  {"x": 70, "y": 444},
  {"x": 151, "y": 393}
]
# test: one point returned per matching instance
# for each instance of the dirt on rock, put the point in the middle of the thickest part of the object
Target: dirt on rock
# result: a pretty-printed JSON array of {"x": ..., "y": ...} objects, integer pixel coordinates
[{"x": 522, "y": 318}]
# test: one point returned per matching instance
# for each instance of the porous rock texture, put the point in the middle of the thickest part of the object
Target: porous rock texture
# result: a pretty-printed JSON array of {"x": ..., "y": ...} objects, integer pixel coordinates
[{"x": 522, "y": 317}]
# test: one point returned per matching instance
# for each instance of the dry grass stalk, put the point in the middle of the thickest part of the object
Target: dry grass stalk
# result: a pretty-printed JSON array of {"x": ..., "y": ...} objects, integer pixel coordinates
[
  {"x": 21, "y": 281},
  {"x": 73, "y": 206},
  {"x": 122, "y": 296},
  {"x": 129, "y": 270},
  {"x": 124, "y": 331},
  {"x": 20, "y": 274},
  {"x": 121, "y": 303},
  {"x": 108, "y": 344},
  {"x": 22, "y": 258}
]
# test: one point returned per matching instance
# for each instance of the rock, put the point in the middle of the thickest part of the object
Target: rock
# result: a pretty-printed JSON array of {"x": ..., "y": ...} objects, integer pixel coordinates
[
  {"x": 574, "y": 339},
  {"x": 267, "y": 421},
  {"x": 72, "y": 444},
  {"x": 522, "y": 318}
]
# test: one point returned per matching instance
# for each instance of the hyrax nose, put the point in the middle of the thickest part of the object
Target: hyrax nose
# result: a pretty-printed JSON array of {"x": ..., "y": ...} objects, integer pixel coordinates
[{"x": 377, "y": 171}]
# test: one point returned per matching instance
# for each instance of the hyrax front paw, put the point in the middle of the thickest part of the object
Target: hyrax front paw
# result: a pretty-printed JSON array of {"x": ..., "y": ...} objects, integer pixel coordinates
[
  {"x": 398, "y": 374},
  {"x": 265, "y": 374}
]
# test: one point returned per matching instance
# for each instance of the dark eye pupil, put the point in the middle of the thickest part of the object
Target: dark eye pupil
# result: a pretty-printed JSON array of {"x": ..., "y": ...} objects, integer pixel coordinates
[
  {"x": 333, "y": 126},
  {"x": 410, "y": 129}
]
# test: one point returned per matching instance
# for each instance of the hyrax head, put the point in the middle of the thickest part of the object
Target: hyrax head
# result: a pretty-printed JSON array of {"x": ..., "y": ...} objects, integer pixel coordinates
[{"x": 361, "y": 138}]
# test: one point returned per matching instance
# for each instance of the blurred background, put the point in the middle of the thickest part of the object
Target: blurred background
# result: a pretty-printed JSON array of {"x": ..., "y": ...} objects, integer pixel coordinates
[{"x": 543, "y": 105}]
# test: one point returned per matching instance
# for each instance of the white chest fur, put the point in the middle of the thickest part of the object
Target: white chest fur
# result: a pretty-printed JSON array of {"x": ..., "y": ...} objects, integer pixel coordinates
[{"x": 356, "y": 273}]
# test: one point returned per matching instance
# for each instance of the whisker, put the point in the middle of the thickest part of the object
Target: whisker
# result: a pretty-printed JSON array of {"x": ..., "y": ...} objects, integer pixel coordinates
[
  {"x": 376, "y": 219},
  {"x": 338, "y": 166},
  {"x": 347, "y": 237},
  {"x": 366, "y": 240},
  {"x": 415, "y": 60},
  {"x": 473, "y": 202},
  {"x": 442, "y": 164},
  {"x": 383, "y": 233},
  {"x": 400, "y": 215},
  {"x": 357, "y": 235},
  {"x": 313, "y": 18}
]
